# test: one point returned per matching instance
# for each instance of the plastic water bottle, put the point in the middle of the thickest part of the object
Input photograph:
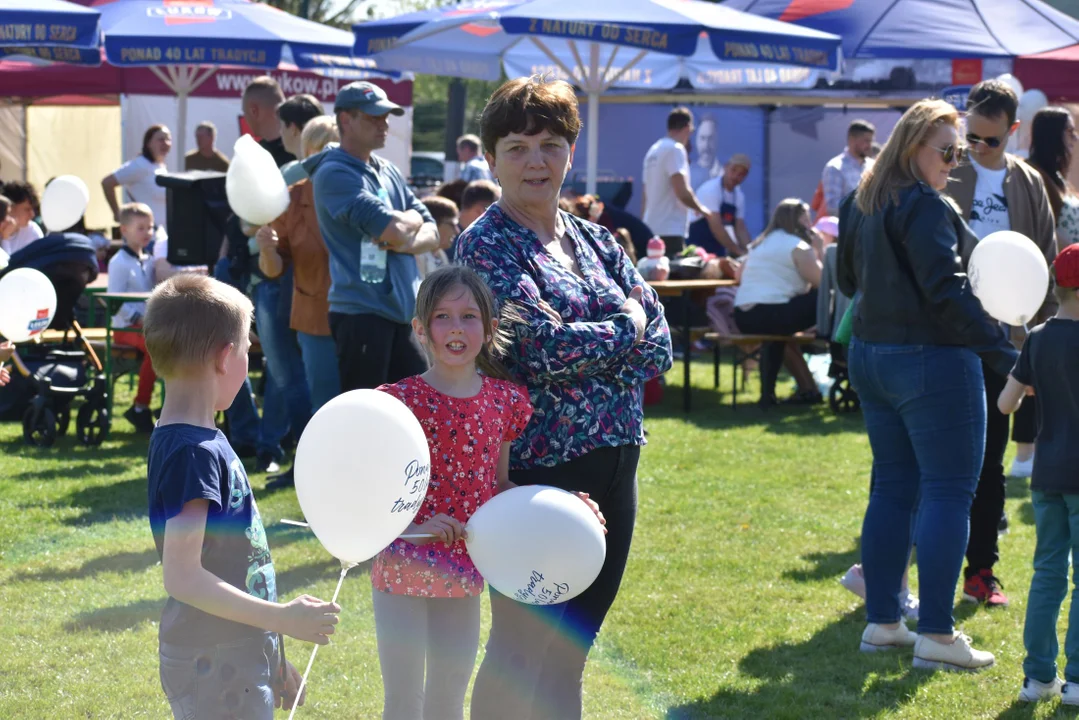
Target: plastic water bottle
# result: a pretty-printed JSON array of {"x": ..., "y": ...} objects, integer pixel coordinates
[{"x": 372, "y": 262}]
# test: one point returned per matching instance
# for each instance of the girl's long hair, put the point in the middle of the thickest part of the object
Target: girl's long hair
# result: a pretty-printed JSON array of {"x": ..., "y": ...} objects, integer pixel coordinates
[
  {"x": 786, "y": 218},
  {"x": 438, "y": 284},
  {"x": 1049, "y": 155},
  {"x": 893, "y": 169},
  {"x": 147, "y": 137}
]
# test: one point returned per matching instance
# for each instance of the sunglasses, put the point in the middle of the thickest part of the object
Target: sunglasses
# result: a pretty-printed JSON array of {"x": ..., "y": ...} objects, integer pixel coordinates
[
  {"x": 990, "y": 142},
  {"x": 950, "y": 153}
]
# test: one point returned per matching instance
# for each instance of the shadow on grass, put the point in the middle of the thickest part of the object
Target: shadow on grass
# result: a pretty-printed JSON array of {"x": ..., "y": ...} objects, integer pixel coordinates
[
  {"x": 1017, "y": 488},
  {"x": 124, "y": 500},
  {"x": 1023, "y": 711},
  {"x": 116, "y": 619},
  {"x": 122, "y": 562},
  {"x": 827, "y": 565},
  {"x": 1026, "y": 513},
  {"x": 797, "y": 680}
]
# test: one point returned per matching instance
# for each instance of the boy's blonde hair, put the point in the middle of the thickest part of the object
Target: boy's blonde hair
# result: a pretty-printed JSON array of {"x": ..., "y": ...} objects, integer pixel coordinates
[
  {"x": 317, "y": 134},
  {"x": 189, "y": 318},
  {"x": 130, "y": 211}
]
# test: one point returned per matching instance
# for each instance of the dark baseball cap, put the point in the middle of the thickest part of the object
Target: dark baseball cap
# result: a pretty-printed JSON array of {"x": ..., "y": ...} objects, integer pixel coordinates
[{"x": 367, "y": 98}]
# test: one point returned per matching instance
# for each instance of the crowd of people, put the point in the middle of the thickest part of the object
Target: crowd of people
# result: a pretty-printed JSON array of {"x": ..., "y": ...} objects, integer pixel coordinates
[{"x": 514, "y": 322}]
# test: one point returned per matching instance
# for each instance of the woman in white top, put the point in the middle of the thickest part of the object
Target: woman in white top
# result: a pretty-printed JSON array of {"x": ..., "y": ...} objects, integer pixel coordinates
[
  {"x": 778, "y": 296},
  {"x": 138, "y": 176}
]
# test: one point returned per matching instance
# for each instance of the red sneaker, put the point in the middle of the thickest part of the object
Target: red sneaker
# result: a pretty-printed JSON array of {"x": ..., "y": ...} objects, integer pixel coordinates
[{"x": 984, "y": 587}]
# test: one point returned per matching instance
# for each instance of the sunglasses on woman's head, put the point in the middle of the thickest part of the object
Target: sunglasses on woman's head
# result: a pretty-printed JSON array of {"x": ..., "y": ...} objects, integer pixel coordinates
[
  {"x": 950, "y": 152},
  {"x": 990, "y": 142}
]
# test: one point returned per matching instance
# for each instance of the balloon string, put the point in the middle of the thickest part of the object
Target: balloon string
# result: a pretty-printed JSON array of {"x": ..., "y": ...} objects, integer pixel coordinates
[{"x": 345, "y": 567}]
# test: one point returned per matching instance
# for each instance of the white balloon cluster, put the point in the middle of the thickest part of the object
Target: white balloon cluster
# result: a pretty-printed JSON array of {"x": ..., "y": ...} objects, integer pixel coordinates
[{"x": 1030, "y": 102}]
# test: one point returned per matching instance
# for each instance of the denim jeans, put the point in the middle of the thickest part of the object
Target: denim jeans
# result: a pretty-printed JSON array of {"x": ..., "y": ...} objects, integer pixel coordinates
[
  {"x": 1056, "y": 522},
  {"x": 320, "y": 365},
  {"x": 287, "y": 402},
  {"x": 230, "y": 680},
  {"x": 242, "y": 415},
  {"x": 924, "y": 410}
]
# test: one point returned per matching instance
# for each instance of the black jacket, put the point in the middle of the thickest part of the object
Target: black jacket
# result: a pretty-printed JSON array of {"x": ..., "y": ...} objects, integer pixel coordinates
[{"x": 905, "y": 262}]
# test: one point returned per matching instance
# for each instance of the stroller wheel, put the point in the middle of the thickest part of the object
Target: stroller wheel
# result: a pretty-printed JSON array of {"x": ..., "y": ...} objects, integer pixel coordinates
[
  {"x": 63, "y": 421},
  {"x": 92, "y": 424},
  {"x": 39, "y": 428},
  {"x": 842, "y": 398}
]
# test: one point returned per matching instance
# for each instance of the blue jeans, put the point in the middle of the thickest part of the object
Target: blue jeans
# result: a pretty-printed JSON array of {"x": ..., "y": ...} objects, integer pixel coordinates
[
  {"x": 1056, "y": 521},
  {"x": 230, "y": 680},
  {"x": 320, "y": 365},
  {"x": 287, "y": 402},
  {"x": 924, "y": 410}
]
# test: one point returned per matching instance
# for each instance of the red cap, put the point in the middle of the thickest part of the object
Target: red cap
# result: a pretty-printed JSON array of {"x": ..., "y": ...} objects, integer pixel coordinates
[{"x": 1066, "y": 267}]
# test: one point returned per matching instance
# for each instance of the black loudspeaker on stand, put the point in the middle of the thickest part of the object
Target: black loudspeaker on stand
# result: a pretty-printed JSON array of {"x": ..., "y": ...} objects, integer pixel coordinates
[{"x": 196, "y": 210}]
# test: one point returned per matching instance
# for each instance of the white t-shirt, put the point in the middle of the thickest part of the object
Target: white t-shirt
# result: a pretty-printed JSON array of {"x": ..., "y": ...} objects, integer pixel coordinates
[
  {"x": 989, "y": 213},
  {"x": 22, "y": 238},
  {"x": 664, "y": 213},
  {"x": 128, "y": 273},
  {"x": 712, "y": 195},
  {"x": 138, "y": 179},
  {"x": 769, "y": 276}
]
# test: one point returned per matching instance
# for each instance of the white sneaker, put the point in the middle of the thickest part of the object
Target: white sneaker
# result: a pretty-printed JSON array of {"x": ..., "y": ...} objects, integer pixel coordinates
[
  {"x": 854, "y": 581},
  {"x": 1022, "y": 468},
  {"x": 1033, "y": 691},
  {"x": 959, "y": 656},
  {"x": 877, "y": 637},
  {"x": 1069, "y": 695},
  {"x": 908, "y": 605}
]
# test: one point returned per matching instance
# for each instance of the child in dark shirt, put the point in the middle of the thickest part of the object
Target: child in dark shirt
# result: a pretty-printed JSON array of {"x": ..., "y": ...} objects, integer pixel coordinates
[
  {"x": 220, "y": 634},
  {"x": 1046, "y": 369}
]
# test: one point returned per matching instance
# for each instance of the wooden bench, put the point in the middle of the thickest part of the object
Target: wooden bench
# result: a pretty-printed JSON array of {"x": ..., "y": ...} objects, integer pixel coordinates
[{"x": 746, "y": 348}]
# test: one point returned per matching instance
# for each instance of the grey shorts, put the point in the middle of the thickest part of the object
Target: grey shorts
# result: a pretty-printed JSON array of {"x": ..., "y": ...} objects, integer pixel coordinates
[{"x": 232, "y": 681}]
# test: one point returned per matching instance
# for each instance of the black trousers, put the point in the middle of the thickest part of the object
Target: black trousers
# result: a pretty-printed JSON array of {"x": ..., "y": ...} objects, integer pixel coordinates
[
  {"x": 535, "y": 656},
  {"x": 1025, "y": 421},
  {"x": 372, "y": 351},
  {"x": 799, "y": 314},
  {"x": 988, "y": 506}
]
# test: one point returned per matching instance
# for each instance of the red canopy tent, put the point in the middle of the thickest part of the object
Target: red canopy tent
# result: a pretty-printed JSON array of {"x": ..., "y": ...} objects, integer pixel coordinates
[{"x": 1056, "y": 73}]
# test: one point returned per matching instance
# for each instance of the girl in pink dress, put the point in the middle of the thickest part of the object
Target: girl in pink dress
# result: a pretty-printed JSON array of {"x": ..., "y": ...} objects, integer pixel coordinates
[{"x": 426, "y": 593}]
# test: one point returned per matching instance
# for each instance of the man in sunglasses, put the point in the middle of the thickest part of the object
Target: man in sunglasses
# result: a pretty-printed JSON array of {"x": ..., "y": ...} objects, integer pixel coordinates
[{"x": 997, "y": 191}]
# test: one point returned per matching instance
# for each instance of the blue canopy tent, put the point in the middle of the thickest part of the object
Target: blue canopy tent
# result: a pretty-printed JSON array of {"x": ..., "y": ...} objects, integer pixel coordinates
[
  {"x": 50, "y": 29},
  {"x": 598, "y": 45},
  {"x": 928, "y": 28},
  {"x": 183, "y": 43}
]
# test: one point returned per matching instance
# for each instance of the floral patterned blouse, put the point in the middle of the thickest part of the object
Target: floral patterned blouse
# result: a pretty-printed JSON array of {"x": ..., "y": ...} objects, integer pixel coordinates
[
  {"x": 586, "y": 374},
  {"x": 1068, "y": 222},
  {"x": 465, "y": 436}
]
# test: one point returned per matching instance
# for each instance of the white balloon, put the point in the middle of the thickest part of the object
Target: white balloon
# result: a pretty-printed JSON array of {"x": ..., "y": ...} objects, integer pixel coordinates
[
  {"x": 362, "y": 468},
  {"x": 1013, "y": 82},
  {"x": 1008, "y": 273},
  {"x": 255, "y": 187},
  {"x": 1031, "y": 102},
  {"x": 64, "y": 202},
  {"x": 536, "y": 544},
  {"x": 27, "y": 304}
]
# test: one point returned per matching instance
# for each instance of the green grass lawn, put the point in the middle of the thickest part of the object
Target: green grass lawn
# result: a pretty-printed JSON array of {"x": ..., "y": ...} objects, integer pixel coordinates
[{"x": 730, "y": 606}]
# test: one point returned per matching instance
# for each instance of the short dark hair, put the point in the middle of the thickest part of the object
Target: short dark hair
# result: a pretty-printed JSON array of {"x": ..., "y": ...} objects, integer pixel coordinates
[
  {"x": 452, "y": 190},
  {"x": 298, "y": 110},
  {"x": 860, "y": 127},
  {"x": 992, "y": 98},
  {"x": 530, "y": 106},
  {"x": 5, "y": 205},
  {"x": 479, "y": 192},
  {"x": 17, "y": 192},
  {"x": 679, "y": 119},
  {"x": 147, "y": 137},
  {"x": 441, "y": 209},
  {"x": 265, "y": 89}
]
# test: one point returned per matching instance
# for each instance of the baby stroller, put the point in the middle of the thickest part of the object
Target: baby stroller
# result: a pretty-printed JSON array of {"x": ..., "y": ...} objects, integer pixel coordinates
[
  {"x": 57, "y": 375},
  {"x": 831, "y": 304}
]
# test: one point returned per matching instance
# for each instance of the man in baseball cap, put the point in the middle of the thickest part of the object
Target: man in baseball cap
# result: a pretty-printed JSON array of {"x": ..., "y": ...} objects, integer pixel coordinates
[
  {"x": 368, "y": 98},
  {"x": 373, "y": 226}
]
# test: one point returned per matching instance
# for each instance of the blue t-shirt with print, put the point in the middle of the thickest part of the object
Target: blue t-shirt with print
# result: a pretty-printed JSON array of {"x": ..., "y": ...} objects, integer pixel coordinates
[{"x": 188, "y": 463}]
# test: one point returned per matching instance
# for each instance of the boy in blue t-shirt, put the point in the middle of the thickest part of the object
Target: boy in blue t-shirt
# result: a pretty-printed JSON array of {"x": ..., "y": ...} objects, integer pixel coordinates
[
  {"x": 220, "y": 633},
  {"x": 1046, "y": 369}
]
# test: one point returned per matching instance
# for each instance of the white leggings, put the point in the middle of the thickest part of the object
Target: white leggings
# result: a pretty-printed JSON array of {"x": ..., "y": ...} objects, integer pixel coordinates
[{"x": 441, "y": 633}]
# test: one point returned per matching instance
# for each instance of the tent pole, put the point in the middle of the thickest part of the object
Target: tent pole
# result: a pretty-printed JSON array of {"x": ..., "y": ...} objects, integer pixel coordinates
[{"x": 594, "y": 85}]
